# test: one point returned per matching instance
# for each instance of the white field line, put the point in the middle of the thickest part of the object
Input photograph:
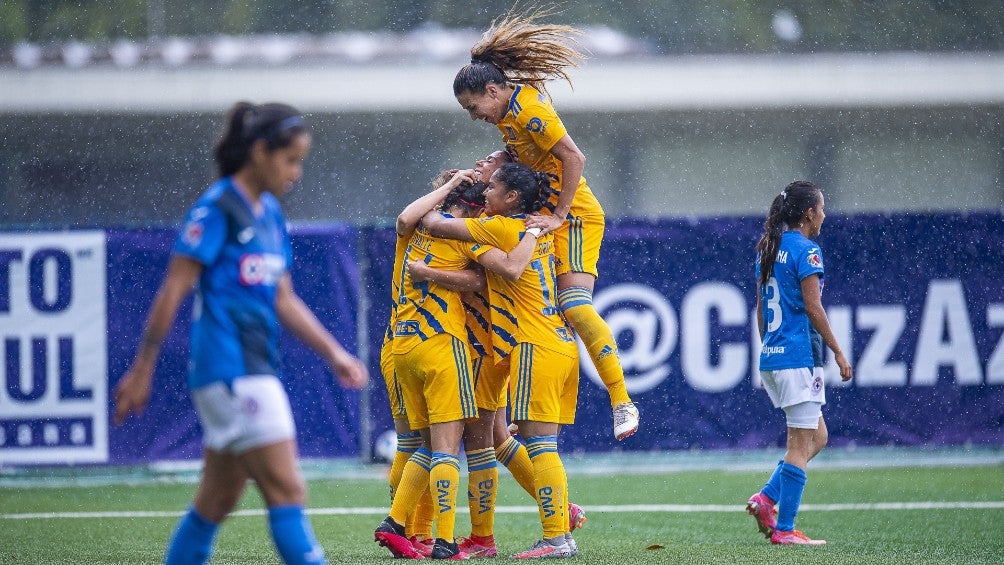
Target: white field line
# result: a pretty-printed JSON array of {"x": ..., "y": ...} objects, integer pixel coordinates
[{"x": 668, "y": 508}]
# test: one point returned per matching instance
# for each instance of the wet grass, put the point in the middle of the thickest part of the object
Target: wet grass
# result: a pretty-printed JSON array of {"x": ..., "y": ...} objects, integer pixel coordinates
[{"x": 914, "y": 536}]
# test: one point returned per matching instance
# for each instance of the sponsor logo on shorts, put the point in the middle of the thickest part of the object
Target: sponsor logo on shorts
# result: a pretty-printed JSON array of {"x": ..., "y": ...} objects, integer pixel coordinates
[
  {"x": 817, "y": 384},
  {"x": 250, "y": 407}
]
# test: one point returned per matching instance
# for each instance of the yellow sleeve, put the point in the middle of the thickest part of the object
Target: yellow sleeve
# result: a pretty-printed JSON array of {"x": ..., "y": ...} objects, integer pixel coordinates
[
  {"x": 538, "y": 118},
  {"x": 486, "y": 232}
]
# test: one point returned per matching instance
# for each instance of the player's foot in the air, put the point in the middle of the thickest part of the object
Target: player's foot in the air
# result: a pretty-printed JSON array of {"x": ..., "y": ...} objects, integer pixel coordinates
[
  {"x": 576, "y": 517},
  {"x": 625, "y": 420}
]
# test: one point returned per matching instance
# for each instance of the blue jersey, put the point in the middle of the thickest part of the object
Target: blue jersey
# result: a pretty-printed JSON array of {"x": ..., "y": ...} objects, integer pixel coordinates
[
  {"x": 235, "y": 331},
  {"x": 789, "y": 340}
]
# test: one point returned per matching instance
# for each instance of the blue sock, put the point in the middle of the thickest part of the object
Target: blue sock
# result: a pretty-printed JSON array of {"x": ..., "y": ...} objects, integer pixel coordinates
[
  {"x": 792, "y": 485},
  {"x": 772, "y": 489},
  {"x": 192, "y": 541},
  {"x": 293, "y": 536}
]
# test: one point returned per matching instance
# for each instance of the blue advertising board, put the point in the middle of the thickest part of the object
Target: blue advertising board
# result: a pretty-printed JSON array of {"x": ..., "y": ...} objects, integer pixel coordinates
[{"x": 916, "y": 300}]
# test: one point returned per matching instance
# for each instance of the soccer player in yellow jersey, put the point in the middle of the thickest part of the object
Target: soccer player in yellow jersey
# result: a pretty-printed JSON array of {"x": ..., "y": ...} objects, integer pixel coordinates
[
  {"x": 419, "y": 522},
  {"x": 432, "y": 367},
  {"x": 529, "y": 332},
  {"x": 504, "y": 85}
]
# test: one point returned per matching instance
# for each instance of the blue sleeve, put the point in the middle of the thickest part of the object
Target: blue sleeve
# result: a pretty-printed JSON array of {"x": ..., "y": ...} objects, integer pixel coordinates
[
  {"x": 203, "y": 235},
  {"x": 810, "y": 262}
]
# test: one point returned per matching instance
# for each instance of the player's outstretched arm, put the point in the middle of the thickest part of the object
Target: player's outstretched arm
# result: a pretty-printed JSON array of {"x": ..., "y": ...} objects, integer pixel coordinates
[
  {"x": 133, "y": 391},
  {"x": 511, "y": 265},
  {"x": 471, "y": 279},
  {"x": 412, "y": 214}
]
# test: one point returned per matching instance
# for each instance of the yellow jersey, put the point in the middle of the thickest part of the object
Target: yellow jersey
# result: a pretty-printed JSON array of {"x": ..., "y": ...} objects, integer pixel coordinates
[
  {"x": 525, "y": 310},
  {"x": 424, "y": 309},
  {"x": 479, "y": 335},
  {"x": 530, "y": 128}
]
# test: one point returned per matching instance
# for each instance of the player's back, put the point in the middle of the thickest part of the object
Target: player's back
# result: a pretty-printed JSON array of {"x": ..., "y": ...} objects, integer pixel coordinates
[{"x": 425, "y": 308}]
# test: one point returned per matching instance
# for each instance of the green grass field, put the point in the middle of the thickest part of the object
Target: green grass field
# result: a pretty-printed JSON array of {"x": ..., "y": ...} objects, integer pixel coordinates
[{"x": 868, "y": 515}]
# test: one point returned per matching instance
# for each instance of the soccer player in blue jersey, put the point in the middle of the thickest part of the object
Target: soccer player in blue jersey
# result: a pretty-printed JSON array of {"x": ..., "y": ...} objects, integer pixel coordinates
[
  {"x": 235, "y": 251},
  {"x": 793, "y": 328}
]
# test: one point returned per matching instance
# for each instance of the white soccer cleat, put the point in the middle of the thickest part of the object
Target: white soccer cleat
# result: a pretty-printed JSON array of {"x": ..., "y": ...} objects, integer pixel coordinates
[{"x": 625, "y": 420}]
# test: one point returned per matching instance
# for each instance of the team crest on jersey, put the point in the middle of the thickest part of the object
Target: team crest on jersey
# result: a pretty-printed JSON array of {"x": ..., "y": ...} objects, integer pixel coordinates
[
  {"x": 261, "y": 269},
  {"x": 564, "y": 334},
  {"x": 814, "y": 259},
  {"x": 192, "y": 235},
  {"x": 536, "y": 125},
  {"x": 510, "y": 134}
]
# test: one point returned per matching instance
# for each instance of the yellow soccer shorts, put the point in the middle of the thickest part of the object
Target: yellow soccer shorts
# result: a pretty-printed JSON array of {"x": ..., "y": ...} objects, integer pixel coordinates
[
  {"x": 394, "y": 393},
  {"x": 543, "y": 385},
  {"x": 577, "y": 244},
  {"x": 490, "y": 383},
  {"x": 436, "y": 381}
]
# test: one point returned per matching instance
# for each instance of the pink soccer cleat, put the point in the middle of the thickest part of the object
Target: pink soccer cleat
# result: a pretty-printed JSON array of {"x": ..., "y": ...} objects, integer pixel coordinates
[
  {"x": 576, "y": 517},
  {"x": 390, "y": 534},
  {"x": 793, "y": 537},
  {"x": 762, "y": 509},
  {"x": 423, "y": 546},
  {"x": 478, "y": 546}
]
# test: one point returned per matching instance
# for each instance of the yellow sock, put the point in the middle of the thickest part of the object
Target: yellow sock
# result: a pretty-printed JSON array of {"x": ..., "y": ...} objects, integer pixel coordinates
[
  {"x": 406, "y": 445},
  {"x": 513, "y": 455},
  {"x": 420, "y": 520},
  {"x": 414, "y": 481},
  {"x": 577, "y": 305},
  {"x": 550, "y": 483},
  {"x": 482, "y": 487},
  {"x": 443, "y": 480}
]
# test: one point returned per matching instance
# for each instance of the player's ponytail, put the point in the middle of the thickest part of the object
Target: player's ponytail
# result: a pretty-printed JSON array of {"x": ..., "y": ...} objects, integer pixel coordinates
[
  {"x": 516, "y": 48},
  {"x": 543, "y": 191},
  {"x": 786, "y": 211},
  {"x": 276, "y": 124}
]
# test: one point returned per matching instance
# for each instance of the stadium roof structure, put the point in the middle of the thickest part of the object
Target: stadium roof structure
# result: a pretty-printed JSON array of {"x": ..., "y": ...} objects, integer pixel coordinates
[{"x": 382, "y": 72}]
